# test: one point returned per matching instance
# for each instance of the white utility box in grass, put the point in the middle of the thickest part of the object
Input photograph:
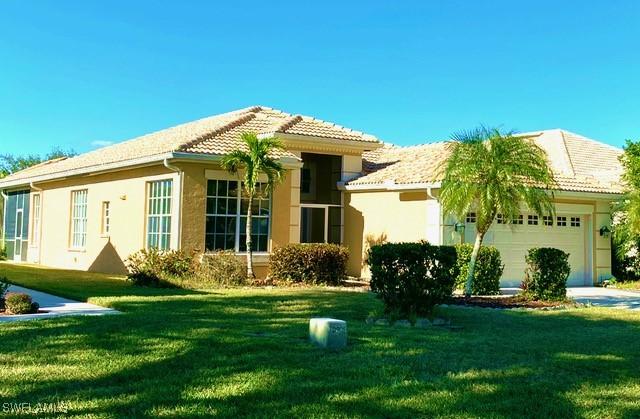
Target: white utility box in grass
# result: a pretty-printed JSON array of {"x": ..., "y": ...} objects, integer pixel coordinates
[{"x": 328, "y": 333}]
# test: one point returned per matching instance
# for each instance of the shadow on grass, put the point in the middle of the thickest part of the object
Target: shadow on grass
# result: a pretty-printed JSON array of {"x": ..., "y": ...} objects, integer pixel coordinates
[{"x": 246, "y": 353}]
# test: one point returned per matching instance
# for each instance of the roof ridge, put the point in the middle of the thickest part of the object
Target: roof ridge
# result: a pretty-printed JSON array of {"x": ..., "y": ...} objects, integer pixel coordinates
[
  {"x": 566, "y": 150},
  {"x": 220, "y": 130},
  {"x": 290, "y": 122}
]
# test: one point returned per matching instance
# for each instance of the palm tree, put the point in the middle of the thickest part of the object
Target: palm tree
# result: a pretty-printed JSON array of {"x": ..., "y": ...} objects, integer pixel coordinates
[
  {"x": 493, "y": 172},
  {"x": 254, "y": 159}
]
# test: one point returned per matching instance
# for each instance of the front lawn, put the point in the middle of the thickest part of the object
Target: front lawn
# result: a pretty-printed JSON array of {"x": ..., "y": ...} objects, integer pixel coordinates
[
  {"x": 628, "y": 285},
  {"x": 245, "y": 352}
]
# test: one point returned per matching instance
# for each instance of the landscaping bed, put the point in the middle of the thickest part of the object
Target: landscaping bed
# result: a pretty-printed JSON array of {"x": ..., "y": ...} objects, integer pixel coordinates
[{"x": 508, "y": 302}]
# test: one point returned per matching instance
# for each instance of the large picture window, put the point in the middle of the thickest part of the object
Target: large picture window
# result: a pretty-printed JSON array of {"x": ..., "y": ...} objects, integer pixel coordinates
[
  {"x": 159, "y": 214},
  {"x": 79, "y": 219},
  {"x": 226, "y": 221}
]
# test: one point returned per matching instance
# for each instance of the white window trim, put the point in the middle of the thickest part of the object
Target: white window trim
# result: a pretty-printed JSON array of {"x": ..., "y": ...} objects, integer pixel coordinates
[
  {"x": 175, "y": 207},
  {"x": 172, "y": 196},
  {"x": 222, "y": 175},
  {"x": 326, "y": 217},
  {"x": 36, "y": 227},
  {"x": 72, "y": 232},
  {"x": 105, "y": 220}
]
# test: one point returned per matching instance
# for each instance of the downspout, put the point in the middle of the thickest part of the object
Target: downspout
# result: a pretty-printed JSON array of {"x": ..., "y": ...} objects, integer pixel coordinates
[
  {"x": 34, "y": 187},
  {"x": 180, "y": 173},
  {"x": 5, "y": 198}
]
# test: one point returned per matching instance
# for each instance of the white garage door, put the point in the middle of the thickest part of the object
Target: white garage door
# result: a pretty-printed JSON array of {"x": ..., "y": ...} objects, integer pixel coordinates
[{"x": 513, "y": 240}]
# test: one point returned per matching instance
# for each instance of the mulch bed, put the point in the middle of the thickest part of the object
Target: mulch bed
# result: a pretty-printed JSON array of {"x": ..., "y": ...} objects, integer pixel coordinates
[
  {"x": 515, "y": 301},
  {"x": 4, "y": 313}
]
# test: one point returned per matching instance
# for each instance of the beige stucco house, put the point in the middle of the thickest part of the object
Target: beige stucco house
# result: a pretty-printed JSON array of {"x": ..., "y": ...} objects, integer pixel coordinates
[{"x": 167, "y": 190}]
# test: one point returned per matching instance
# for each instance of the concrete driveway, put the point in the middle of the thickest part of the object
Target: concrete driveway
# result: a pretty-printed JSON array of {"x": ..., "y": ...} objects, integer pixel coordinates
[
  {"x": 597, "y": 296},
  {"x": 55, "y": 306},
  {"x": 606, "y": 297}
]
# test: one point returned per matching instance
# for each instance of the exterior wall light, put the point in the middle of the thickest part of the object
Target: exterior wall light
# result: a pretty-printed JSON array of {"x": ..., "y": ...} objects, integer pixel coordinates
[{"x": 604, "y": 231}]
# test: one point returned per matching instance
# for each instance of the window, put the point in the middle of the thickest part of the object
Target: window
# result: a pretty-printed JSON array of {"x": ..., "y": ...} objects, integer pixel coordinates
[
  {"x": 226, "y": 221},
  {"x": 518, "y": 220},
  {"x": 500, "y": 219},
  {"x": 305, "y": 181},
  {"x": 471, "y": 217},
  {"x": 547, "y": 220},
  {"x": 159, "y": 214},
  {"x": 561, "y": 221},
  {"x": 575, "y": 221},
  {"x": 35, "y": 233},
  {"x": 79, "y": 219},
  {"x": 532, "y": 220},
  {"x": 106, "y": 218}
]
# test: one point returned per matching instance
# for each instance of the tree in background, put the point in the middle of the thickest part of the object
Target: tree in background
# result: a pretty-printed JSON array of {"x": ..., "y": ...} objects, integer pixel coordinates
[
  {"x": 626, "y": 216},
  {"x": 255, "y": 158},
  {"x": 490, "y": 172},
  {"x": 11, "y": 164}
]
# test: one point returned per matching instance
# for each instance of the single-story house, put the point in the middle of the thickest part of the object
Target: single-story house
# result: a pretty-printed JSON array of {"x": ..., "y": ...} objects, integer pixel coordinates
[{"x": 167, "y": 190}]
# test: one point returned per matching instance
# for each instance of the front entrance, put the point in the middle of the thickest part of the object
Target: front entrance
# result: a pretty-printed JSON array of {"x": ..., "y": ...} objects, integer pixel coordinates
[
  {"x": 320, "y": 199},
  {"x": 320, "y": 223}
]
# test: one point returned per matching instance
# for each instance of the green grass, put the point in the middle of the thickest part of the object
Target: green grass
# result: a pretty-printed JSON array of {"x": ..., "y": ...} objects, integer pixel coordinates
[
  {"x": 628, "y": 285},
  {"x": 245, "y": 352}
]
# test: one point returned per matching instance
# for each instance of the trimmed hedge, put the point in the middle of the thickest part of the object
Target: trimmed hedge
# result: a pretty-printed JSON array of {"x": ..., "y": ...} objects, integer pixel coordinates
[
  {"x": 311, "y": 263},
  {"x": 20, "y": 303},
  {"x": 546, "y": 274},
  {"x": 411, "y": 278},
  {"x": 155, "y": 268},
  {"x": 221, "y": 268},
  {"x": 487, "y": 273}
]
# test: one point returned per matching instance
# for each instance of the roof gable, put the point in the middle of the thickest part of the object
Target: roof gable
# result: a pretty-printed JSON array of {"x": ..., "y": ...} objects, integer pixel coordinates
[
  {"x": 578, "y": 163},
  {"x": 215, "y": 135}
]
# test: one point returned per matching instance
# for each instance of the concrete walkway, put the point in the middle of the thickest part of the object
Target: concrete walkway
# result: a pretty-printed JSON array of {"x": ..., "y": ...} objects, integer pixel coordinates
[
  {"x": 55, "y": 307},
  {"x": 597, "y": 296}
]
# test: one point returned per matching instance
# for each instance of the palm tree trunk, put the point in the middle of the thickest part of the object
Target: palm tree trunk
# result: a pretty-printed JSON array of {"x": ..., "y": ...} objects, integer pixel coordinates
[
  {"x": 249, "y": 242},
  {"x": 472, "y": 264}
]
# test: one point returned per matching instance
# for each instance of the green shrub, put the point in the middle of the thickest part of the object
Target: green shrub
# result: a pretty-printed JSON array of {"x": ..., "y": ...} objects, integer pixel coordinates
[
  {"x": 487, "y": 273},
  {"x": 19, "y": 303},
  {"x": 546, "y": 275},
  {"x": 156, "y": 268},
  {"x": 3, "y": 253},
  {"x": 221, "y": 268},
  {"x": 411, "y": 278},
  {"x": 313, "y": 263},
  {"x": 4, "y": 286}
]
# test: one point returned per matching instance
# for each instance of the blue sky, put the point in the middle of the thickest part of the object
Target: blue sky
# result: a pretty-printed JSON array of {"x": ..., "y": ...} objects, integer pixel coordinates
[{"x": 79, "y": 74}]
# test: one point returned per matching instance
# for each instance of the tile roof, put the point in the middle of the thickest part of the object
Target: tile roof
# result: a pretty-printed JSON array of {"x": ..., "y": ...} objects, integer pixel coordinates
[
  {"x": 578, "y": 163},
  {"x": 215, "y": 135}
]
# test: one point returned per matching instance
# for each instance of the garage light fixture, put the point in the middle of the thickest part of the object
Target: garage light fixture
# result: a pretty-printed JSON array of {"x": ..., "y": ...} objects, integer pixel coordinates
[{"x": 604, "y": 231}]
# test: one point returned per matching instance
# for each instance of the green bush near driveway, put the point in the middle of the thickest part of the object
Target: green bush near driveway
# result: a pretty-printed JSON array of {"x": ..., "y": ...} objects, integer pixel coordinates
[
  {"x": 546, "y": 274},
  {"x": 310, "y": 263},
  {"x": 411, "y": 278},
  {"x": 487, "y": 273},
  {"x": 19, "y": 303}
]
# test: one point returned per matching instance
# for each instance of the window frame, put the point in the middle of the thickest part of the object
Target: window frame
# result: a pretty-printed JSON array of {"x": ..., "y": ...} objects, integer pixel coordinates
[
  {"x": 239, "y": 215},
  {"x": 162, "y": 217},
  {"x": 105, "y": 224},
  {"x": 78, "y": 220},
  {"x": 36, "y": 220}
]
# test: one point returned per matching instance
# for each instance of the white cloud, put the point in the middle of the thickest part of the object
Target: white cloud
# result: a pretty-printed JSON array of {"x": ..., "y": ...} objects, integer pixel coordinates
[{"x": 101, "y": 143}]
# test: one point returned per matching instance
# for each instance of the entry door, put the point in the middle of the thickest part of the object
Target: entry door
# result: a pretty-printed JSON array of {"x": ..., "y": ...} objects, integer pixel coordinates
[
  {"x": 17, "y": 251},
  {"x": 313, "y": 225}
]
